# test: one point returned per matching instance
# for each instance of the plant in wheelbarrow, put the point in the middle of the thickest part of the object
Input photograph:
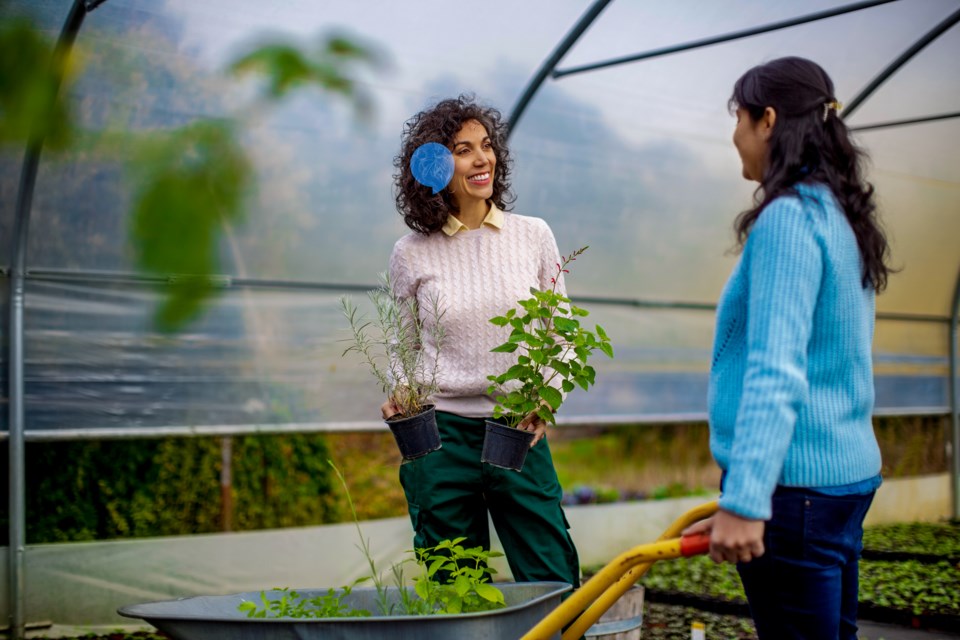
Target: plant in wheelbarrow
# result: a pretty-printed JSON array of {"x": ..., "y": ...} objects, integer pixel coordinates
[
  {"x": 391, "y": 346},
  {"x": 452, "y": 579},
  {"x": 553, "y": 348}
]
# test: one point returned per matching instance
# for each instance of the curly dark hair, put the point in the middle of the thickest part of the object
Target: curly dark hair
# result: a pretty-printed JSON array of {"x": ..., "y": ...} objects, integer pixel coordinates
[
  {"x": 423, "y": 211},
  {"x": 811, "y": 144}
]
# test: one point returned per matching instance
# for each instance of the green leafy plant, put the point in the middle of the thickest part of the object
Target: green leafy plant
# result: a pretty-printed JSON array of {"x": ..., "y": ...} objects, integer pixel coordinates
[
  {"x": 924, "y": 538},
  {"x": 453, "y": 579},
  {"x": 554, "y": 348},
  {"x": 332, "y": 66},
  {"x": 32, "y": 106},
  {"x": 391, "y": 345},
  {"x": 189, "y": 182},
  {"x": 291, "y": 604},
  {"x": 466, "y": 587}
]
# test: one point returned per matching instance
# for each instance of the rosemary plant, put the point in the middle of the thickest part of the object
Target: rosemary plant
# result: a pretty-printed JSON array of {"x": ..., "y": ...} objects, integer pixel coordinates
[{"x": 391, "y": 345}]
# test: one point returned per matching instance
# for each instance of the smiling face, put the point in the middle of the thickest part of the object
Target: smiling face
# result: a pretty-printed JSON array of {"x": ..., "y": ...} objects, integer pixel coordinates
[
  {"x": 474, "y": 164},
  {"x": 750, "y": 138}
]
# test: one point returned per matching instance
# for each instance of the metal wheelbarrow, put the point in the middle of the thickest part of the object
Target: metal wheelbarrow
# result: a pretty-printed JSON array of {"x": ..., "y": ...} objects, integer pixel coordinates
[{"x": 218, "y": 618}]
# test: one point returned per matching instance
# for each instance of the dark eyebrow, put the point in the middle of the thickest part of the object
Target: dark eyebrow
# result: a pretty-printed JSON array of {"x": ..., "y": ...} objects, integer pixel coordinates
[{"x": 457, "y": 143}]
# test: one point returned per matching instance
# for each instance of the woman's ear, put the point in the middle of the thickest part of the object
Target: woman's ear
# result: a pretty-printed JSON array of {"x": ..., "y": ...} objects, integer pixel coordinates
[{"x": 767, "y": 120}]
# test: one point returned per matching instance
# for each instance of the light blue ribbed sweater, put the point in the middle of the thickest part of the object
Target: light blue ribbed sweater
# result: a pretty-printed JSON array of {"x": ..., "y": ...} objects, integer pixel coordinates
[{"x": 791, "y": 384}]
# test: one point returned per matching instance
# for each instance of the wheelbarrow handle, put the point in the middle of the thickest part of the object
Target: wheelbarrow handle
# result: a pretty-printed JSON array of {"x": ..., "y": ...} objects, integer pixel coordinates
[
  {"x": 696, "y": 544},
  {"x": 599, "y": 593}
]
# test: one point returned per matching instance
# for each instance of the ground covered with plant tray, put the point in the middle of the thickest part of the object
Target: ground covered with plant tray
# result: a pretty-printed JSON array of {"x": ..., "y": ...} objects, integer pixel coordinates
[{"x": 910, "y": 592}]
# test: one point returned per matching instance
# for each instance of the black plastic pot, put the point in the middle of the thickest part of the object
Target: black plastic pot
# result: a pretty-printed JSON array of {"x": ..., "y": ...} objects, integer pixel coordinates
[
  {"x": 505, "y": 447},
  {"x": 417, "y": 435}
]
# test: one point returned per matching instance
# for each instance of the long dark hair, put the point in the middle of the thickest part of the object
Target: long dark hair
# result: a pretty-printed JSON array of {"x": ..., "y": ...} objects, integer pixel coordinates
[
  {"x": 423, "y": 211},
  {"x": 810, "y": 143}
]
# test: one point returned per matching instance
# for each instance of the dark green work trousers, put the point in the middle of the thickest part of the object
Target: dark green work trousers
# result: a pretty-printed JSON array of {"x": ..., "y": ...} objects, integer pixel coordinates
[{"x": 449, "y": 493}]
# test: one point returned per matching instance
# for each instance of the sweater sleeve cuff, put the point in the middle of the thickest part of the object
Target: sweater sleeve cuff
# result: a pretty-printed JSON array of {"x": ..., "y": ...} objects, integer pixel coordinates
[{"x": 747, "y": 500}]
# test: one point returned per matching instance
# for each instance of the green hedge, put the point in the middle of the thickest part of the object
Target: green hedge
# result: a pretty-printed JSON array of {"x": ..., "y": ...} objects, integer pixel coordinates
[{"x": 125, "y": 489}]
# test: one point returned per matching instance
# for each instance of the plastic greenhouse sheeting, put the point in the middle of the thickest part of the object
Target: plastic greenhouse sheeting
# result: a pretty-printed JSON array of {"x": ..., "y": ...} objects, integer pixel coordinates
[{"x": 634, "y": 160}]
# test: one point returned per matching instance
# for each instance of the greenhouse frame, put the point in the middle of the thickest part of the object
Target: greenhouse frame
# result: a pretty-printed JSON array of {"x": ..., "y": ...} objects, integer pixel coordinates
[{"x": 620, "y": 133}]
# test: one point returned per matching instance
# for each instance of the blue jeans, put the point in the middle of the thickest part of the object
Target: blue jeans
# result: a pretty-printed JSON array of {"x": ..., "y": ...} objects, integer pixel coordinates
[{"x": 805, "y": 586}]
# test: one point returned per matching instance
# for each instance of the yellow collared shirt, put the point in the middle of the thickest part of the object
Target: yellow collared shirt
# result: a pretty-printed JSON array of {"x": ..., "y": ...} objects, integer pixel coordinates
[{"x": 494, "y": 218}]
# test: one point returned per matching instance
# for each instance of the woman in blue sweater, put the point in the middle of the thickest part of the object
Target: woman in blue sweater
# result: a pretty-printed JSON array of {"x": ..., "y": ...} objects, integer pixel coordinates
[{"x": 791, "y": 383}]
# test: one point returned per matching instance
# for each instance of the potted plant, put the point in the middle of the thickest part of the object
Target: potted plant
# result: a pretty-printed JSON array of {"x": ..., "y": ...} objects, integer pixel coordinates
[
  {"x": 553, "y": 349},
  {"x": 390, "y": 345}
]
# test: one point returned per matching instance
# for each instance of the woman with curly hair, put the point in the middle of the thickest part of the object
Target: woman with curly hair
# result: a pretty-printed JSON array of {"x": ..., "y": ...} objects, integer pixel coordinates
[
  {"x": 791, "y": 386},
  {"x": 478, "y": 259}
]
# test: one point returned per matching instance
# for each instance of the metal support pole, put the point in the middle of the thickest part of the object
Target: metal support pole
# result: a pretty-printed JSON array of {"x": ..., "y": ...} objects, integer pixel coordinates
[
  {"x": 226, "y": 483},
  {"x": 551, "y": 62},
  {"x": 21, "y": 226},
  {"x": 955, "y": 402}
]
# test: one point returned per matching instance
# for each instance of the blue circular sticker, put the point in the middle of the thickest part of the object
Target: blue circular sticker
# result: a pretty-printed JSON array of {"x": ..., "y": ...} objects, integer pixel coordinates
[{"x": 432, "y": 166}]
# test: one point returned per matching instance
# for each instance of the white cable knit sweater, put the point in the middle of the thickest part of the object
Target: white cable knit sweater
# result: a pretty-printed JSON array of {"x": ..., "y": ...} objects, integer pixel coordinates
[{"x": 475, "y": 275}]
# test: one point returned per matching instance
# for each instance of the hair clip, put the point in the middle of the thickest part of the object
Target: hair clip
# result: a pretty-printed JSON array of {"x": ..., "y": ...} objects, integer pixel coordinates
[{"x": 836, "y": 105}]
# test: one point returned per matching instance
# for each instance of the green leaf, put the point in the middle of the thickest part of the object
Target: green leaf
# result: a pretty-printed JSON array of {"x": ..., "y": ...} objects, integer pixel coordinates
[
  {"x": 508, "y": 347},
  {"x": 515, "y": 397},
  {"x": 454, "y": 605},
  {"x": 516, "y": 372},
  {"x": 462, "y": 585},
  {"x": 500, "y": 321},
  {"x": 566, "y": 324},
  {"x": 490, "y": 593},
  {"x": 422, "y": 588},
  {"x": 527, "y": 407},
  {"x": 567, "y": 386},
  {"x": 552, "y": 396},
  {"x": 606, "y": 348},
  {"x": 602, "y": 333},
  {"x": 33, "y": 106},
  {"x": 190, "y": 183},
  {"x": 435, "y": 565},
  {"x": 284, "y": 66},
  {"x": 590, "y": 374}
]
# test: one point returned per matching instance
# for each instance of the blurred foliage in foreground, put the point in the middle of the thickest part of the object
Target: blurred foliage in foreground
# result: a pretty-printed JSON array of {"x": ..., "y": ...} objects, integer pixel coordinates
[{"x": 189, "y": 182}]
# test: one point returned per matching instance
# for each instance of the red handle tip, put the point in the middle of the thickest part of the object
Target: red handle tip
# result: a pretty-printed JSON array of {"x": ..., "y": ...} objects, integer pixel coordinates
[{"x": 695, "y": 544}]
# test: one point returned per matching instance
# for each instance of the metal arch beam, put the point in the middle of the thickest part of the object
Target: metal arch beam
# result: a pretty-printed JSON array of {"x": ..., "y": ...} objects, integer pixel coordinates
[
  {"x": 904, "y": 57},
  {"x": 551, "y": 62},
  {"x": 20, "y": 233},
  {"x": 908, "y": 121},
  {"x": 705, "y": 42},
  {"x": 955, "y": 402}
]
